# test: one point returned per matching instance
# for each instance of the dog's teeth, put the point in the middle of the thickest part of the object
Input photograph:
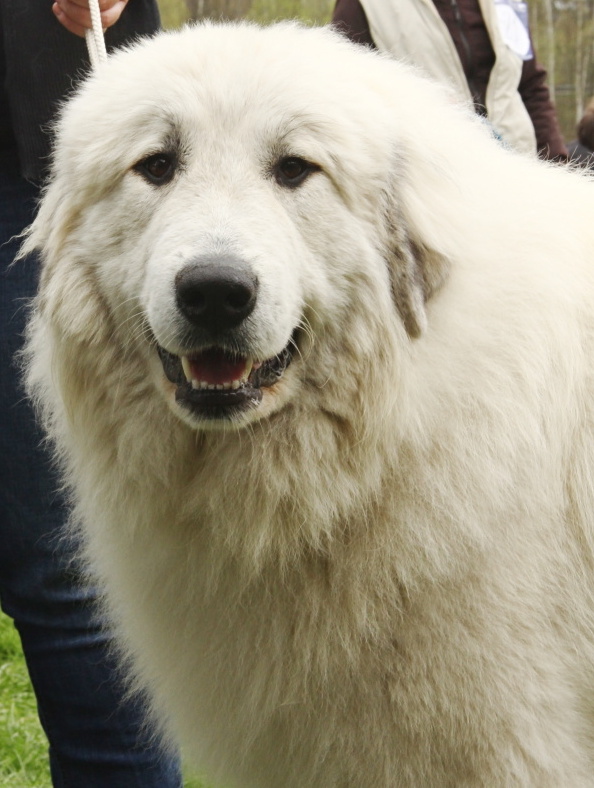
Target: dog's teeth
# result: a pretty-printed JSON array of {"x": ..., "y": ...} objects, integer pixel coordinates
[
  {"x": 202, "y": 385},
  {"x": 187, "y": 368}
]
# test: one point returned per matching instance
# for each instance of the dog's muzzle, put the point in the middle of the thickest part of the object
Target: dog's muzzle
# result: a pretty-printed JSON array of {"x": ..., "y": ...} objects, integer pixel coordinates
[{"x": 214, "y": 381}]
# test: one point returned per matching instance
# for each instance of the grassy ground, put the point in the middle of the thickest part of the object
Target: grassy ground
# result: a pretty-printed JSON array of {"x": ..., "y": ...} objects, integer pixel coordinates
[
  {"x": 23, "y": 746},
  {"x": 174, "y": 12}
]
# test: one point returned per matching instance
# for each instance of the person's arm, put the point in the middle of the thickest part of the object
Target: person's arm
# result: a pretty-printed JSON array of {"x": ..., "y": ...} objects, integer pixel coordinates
[
  {"x": 76, "y": 17},
  {"x": 349, "y": 18},
  {"x": 537, "y": 100}
]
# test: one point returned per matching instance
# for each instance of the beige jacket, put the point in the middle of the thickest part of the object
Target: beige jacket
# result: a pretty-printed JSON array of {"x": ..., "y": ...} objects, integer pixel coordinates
[{"x": 412, "y": 30}]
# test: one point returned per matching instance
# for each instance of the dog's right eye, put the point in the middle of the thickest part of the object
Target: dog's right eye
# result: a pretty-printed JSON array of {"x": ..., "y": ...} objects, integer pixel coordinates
[
  {"x": 158, "y": 168},
  {"x": 291, "y": 171}
]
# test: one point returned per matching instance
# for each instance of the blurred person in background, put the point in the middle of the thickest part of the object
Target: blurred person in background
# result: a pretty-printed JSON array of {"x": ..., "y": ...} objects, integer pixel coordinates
[
  {"x": 581, "y": 150},
  {"x": 97, "y": 739},
  {"x": 483, "y": 48}
]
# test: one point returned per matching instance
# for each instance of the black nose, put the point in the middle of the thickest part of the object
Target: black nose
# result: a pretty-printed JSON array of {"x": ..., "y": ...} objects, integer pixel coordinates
[{"x": 216, "y": 294}]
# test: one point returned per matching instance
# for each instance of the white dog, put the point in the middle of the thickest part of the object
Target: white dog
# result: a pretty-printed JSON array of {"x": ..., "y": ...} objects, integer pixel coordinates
[{"x": 317, "y": 356}]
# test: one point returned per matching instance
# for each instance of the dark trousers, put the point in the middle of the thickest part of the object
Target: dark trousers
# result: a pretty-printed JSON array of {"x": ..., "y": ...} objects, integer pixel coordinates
[{"x": 94, "y": 735}]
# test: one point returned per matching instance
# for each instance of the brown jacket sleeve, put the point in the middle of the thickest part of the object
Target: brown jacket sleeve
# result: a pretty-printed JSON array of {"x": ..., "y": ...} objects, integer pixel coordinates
[
  {"x": 537, "y": 100},
  {"x": 349, "y": 18}
]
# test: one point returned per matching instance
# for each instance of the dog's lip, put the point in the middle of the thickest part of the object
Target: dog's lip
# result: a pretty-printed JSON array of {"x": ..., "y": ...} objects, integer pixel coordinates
[{"x": 214, "y": 383}]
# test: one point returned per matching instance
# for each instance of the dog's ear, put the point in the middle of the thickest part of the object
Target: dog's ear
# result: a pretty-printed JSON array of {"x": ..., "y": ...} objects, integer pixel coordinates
[
  {"x": 416, "y": 271},
  {"x": 74, "y": 307}
]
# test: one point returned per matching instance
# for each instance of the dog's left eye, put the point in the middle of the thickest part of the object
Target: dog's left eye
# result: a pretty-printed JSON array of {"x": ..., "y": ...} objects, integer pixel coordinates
[
  {"x": 158, "y": 168},
  {"x": 292, "y": 170}
]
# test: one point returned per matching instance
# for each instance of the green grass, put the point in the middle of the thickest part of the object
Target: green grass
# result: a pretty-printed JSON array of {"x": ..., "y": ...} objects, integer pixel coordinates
[
  {"x": 23, "y": 746},
  {"x": 317, "y": 12},
  {"x": 313, "y": 12}
]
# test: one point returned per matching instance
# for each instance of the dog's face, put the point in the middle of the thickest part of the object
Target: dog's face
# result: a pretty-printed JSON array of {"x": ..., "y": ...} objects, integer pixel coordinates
[
  {"x": 230, "y": 214},
  {"x": 230, "y": 281}
]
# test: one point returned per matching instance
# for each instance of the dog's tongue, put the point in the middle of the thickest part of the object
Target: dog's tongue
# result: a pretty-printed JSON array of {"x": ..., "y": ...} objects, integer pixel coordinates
[{"x": 217, "y": 367}]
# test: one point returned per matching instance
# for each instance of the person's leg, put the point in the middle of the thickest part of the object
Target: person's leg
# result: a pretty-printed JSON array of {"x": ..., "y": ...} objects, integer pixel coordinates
[{"x": 95, "y": 736}]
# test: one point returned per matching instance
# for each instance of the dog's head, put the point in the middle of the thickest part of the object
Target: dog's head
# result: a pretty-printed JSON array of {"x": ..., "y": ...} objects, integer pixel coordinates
[{"x": 251, "y": 210}]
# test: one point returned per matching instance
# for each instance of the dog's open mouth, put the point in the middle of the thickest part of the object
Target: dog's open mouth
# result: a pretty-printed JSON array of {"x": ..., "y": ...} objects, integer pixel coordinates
[{"x": 216, "y": 384}]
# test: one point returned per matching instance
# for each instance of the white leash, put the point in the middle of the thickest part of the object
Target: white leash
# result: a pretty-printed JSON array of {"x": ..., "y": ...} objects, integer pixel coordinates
[{"x": 94, "y": 37}]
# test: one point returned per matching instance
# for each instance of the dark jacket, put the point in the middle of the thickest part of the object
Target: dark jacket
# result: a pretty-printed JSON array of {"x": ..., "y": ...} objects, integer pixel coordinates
[
  {"x": 40, "y": 63},
  {"x": 477, "y": 58}
]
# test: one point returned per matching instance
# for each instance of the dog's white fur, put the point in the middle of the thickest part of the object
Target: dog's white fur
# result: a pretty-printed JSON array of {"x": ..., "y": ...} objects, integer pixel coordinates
[{"x": 383, "y": 575}]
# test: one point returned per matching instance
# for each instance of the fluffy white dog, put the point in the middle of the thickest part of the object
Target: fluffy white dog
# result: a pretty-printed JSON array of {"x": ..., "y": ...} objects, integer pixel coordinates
[{"x": 316, "y": 354}]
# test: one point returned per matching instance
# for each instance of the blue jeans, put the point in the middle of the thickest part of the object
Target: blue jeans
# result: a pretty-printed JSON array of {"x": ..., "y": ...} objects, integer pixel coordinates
[{"x": 96, "y": 739}]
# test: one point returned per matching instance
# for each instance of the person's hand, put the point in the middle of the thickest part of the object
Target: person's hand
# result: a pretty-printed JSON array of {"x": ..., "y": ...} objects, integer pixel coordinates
[{"x": 76, "y": 17}]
